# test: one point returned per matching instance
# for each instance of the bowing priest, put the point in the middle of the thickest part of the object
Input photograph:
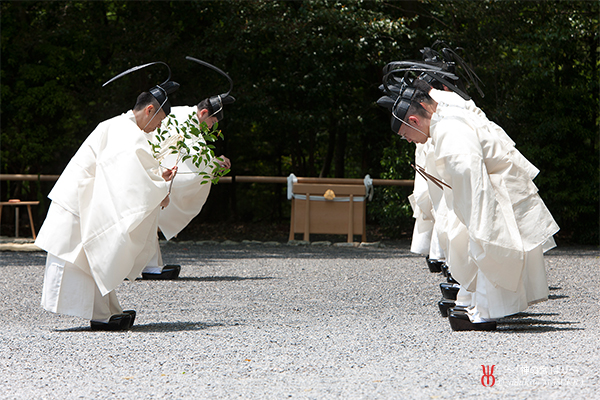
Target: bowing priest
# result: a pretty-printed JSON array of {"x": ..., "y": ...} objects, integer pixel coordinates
[
  {"x": 496, "y": 227},
  {"x": 424, "y": 240},
  {"x": 102, "y": 222},
  {"x": 191, "y": 188}
]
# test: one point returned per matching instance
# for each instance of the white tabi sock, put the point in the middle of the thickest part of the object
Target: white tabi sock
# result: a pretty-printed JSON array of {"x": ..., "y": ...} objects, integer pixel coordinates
[
  {"x": 463, "y": 298},
  {"x": 476, "y": 317},
  {"x": 152, "y": 270}
]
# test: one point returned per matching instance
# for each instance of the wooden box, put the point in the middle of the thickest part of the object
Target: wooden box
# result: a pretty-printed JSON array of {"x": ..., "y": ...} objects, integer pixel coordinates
[{"x": 312, "y": 212}]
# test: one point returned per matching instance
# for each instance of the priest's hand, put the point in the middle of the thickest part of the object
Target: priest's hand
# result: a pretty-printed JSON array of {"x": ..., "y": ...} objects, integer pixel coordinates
[
  {"x": 223, "y": 162},
  {"x": 169, "y": 174},
  {"x": 165, "y": 202}
]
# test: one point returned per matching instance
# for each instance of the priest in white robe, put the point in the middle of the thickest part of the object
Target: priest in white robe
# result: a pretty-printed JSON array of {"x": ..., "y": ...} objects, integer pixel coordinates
[
  {"x": 190, "y": 189},
  {"x": 496, "y": 226},
  {"x": 101, "y": 224}
]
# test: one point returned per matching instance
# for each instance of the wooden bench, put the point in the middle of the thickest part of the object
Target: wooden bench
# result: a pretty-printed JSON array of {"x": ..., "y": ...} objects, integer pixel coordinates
[
  {"x": 16, "y": 203},
  {"x": 328, "y": 208}
]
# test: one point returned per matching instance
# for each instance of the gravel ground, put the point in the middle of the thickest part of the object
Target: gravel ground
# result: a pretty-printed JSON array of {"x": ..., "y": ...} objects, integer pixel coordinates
[{"x": 267, "y": 321}]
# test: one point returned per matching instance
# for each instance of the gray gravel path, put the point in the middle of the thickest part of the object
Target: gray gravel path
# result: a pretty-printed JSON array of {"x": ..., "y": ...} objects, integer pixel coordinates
[{"x": 257, "y": 321}]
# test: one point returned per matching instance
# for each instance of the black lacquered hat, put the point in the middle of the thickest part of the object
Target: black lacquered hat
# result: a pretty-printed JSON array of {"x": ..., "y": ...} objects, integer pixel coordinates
[
  {"x": 217, "y": 102},
  {"x": 160, "y": 92}
]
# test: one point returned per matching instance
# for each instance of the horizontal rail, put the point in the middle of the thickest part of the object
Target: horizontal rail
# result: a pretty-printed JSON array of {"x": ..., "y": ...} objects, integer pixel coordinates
[
  {"x": 31, "y": 177},
  {"x": 243, "y": 179},
  {"x": 252, "y": 179}
]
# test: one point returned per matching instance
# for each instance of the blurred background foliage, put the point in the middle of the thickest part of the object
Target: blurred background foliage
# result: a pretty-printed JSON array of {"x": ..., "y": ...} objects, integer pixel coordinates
[{"x": 306, "y": 75}]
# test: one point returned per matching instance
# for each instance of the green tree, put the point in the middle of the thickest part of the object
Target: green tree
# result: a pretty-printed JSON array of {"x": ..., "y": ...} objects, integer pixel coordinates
[
  {"x": 539, "y": 62},
  {"x": 308, "y": 74}
]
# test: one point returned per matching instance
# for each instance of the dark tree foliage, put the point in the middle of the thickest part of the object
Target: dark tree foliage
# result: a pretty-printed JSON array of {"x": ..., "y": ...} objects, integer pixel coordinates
[
  {"x": 539, "y": 62},
  {"x": 306, "y": 76}
]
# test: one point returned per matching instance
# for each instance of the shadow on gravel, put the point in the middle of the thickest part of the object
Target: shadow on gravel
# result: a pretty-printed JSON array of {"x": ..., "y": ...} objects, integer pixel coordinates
[
  {"x": 173, "y": 326},
  {"x": 557, "y": 296},
  {"x": 533, "y": 329},
  {"x": 223, "y": 278},
  {"x": 154, "y": 327},
  {"x": 192, "y": 254},
  {"x": 529, "y": 321},
  {"x": 534, "y": 325},
  {"x": 528, "y": 314},
  {"x": 78, "y": 329}
]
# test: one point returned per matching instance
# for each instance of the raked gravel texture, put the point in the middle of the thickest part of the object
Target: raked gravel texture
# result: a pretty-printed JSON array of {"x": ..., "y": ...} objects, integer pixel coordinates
[{"x": 261, "y": 321}]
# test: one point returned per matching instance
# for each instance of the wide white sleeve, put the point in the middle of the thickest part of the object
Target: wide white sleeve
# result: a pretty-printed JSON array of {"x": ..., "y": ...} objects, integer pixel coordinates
[
  {"x": 494, "y": 240},
  {"x": 422, "y": 208},
  {"x": 189, "y": 191},
  {"x": 188, "y": 195}
]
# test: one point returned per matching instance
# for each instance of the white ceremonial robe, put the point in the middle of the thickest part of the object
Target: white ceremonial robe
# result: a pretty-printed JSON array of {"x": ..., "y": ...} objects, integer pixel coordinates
[
  {"x": 447, "y": 99},
  {"x": 495, "y": 220},
  {"x": 102, "y": 222},
  {"x": 422, "y": 209},
  {"x": 425, "y": 238},
  {"x": 188, "y": 193}
]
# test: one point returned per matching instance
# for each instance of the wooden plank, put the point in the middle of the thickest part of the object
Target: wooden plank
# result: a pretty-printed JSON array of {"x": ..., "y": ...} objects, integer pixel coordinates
[{"x": 328, "y": 217}]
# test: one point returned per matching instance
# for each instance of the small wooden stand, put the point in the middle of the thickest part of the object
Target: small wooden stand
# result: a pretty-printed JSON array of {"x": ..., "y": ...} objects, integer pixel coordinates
[
  {"x": 313, "y": 213},
  {"x": 17, "y": 203}
]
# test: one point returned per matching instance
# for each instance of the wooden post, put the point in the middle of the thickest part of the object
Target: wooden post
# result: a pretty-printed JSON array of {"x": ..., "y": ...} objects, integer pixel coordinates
[
  {"x": 364, "y": 224},
  {"x": 351, "y": 219},
  {"x": 307, "y": 219},
  {"x": 292, "y": 222},
  {"x": 16, "y": 221},
  {"x": 31, "y": 221}
]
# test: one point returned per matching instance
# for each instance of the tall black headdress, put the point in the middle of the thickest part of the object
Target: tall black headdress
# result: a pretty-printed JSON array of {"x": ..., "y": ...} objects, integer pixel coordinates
[
  {"x": 448, "y": 59},
  {"x": 399, "y": 86},
  {"x": 217, "y": 102},
  {"x": 437, "y": 69},
  {"x": 160, "y": 92}
]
